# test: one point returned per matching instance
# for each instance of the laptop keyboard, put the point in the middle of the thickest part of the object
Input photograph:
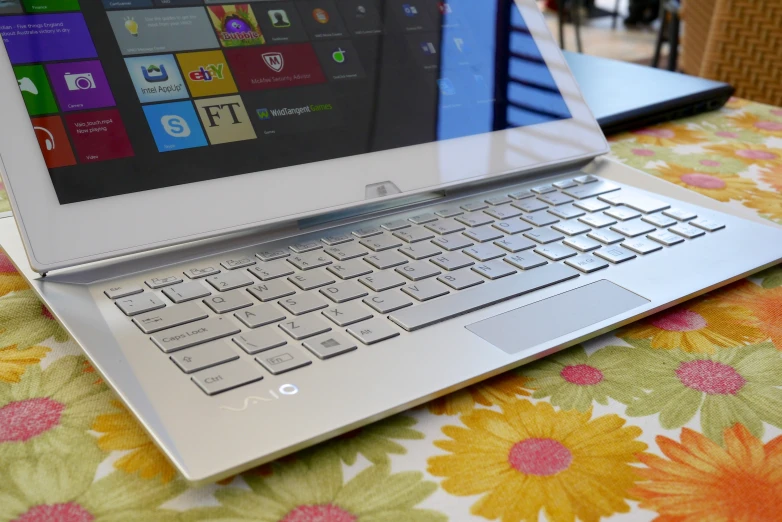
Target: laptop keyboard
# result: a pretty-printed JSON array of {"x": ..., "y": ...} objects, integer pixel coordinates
[{"x": 310, "y": 301}]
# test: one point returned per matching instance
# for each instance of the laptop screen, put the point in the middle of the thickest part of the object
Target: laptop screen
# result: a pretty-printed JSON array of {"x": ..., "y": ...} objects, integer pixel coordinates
[{"x": 133, "y": 95}]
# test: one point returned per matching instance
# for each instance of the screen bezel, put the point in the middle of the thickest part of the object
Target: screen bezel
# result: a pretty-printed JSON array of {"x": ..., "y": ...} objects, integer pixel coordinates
[{"x": 57, "y": 236}]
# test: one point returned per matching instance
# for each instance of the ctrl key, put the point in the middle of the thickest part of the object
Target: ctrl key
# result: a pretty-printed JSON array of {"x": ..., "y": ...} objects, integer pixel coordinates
[{"x": 227, "y": 376}]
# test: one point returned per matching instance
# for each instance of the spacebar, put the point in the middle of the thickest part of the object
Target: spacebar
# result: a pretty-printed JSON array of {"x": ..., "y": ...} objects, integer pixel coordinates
[{"x": 481, "y": 296}]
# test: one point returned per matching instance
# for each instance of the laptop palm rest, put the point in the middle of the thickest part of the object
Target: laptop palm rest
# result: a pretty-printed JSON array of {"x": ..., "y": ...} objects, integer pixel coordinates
[{"x": 542, "y": 321}]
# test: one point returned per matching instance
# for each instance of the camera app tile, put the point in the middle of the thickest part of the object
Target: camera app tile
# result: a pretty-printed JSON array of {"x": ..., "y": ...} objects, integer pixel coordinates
[{"x": 80, "y": 85}]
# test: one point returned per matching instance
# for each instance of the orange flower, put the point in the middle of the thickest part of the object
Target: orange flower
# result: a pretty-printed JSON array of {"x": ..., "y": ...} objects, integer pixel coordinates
[
  {"x": 498, "y": 390},
  {"x": 722, "y": 187},
  {"x": 750, "y": 154},
  {"x": 10, "y": 279},
  {"x": 752, "y": 122},
  {"x": 700, "y": 480},
  {"x": 773, "y": 177},
  {"x": 768, "y": 204},
  {"x": 765, "y": 304},
  {"x": 668, "y": 135}
]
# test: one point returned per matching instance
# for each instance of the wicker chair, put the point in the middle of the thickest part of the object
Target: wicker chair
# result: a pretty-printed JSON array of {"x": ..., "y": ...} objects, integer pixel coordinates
[{"x": 735, "y": 41}]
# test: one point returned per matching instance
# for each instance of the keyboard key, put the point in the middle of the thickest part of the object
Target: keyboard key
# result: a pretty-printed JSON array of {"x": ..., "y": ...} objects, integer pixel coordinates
[
  {"x": 526, "y": 260},
  {"x": 452, "y": 242},
  {"x": 452, "y": 261},
  {"x": 382, "y": 242},
  {"x": 420, "y": 219},
  {"x": 271, "y": 270},
  {"x": 493, "y": 269},
  {"x": 530, "y": 205},
  {"x": 503, "y": 211},
  {"x": 479, "y": 297},
  {"x": 425, "y": 290},
  {"x": 588, "y": 178},
  {"x": 271, "y": 290},
  {"x": 387, "y": 259},
  {"x": 514, "y": 226},
  {"x": 229, "y": 281},
  {"x": 449, "y": 212},
  {"x": 707, "y": 224},
  {"x": 687, "y": 231},
  {"x": 555, "y": 251},
  {"x": 303, "y": 303},
  {"x": 387, "y": 302},
  {"x": 606, "y": 237},
  {"x": 306, "y": 246},
  {"x": 483, "y": 234},
  {"x": 497, "y": 200},
  {"x": 270, "y": 255},
  {"x": 367, "y": 232},
  {"x": 566, "y": 212},
  {"x": 544, "y": 235},
  {"x": 346, "y": 251},
  {"x": 170, "y": 317},
  {"x": 540, "y": 219},
  {"x": 515, "y": 243},
  {"x": 414, "y": 234},
  {"x": 380, "y": 281},
  {"x": 347, "y": 313},
  {"x": 566, "y": 183},
  {"x": 571, "y": 228},
  {"x": 237, "y": 262},
  {"x": 283, "y": 359},
  {"x": 484, "y": 252},
  {"x": 226, "y": 377},
  {"x": 204, "y": 356},
  {"x": 186, "y": 291},
  {"x": 666, "y": 238},
  {"x": 476, "y": 219},
  {"x": 192, "y": 334},
  {"x": 586, "y": 263},
  {"x": 228, "y": 302},
  {"x": 522, "y": 194},
  {"x": 259, "y": 315},
  {"x": 591, "y": 205},
  {"x": 396, "y": 224},
  {"x": 615, "y": 254},
  {"x": 659, "y": 220},
  {"x": 622, "y": 214},
  {"x": 373, "y": 331},
  {"x": 197, "y": 273},
  {"x": 259, "y": 340},
  {"x": 305, "y": 326},
  {"x": 613, "y": 198},
  {"x": 461, "y": 279},
  {"x": 309, "y": 260},
  {"x": 633, "y": 228},
  {"x": 159, "y": 282},
  {"x": 420, "y": 250},
  {"x": 329, "y": 345},
  {"x": 582, "y": 243},
  {"x": 474, "y": 206},
  {"x": 592, "y": 189},
  {"x": 445, "y": 226},
  {"x": 337, "y": 239},
  {"x": 342, "y": 292},
  {"x": 640, "y": 245},
  {"x": 115, "y": 292},
  {"x": 311, "y": 280},
  {"x": 680, "y": 214},
  {"x": 598, "y": 220},
  {"x": 543, "y": 189},
  {"x": 350, "y": 269},
  {"x": 555, "y": 199},
  {"x": 640, "y": 203},
  {"x": 418, "y": 270}
]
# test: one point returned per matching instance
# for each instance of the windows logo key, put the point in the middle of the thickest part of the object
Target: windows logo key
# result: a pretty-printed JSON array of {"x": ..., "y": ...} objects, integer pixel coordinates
[{"x": 155, "y": 73}]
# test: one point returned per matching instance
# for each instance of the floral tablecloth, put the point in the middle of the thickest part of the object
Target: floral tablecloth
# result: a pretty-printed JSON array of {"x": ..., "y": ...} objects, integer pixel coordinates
[{"x": 676, "y": 418}]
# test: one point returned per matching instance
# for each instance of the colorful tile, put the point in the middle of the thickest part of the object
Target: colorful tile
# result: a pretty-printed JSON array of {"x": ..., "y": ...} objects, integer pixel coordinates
[
  {"x": 275, "y": 66},
  {"x": 235, "y": 25},
  {"x": 156, "y": 78},
  {"x": 53, "y": 140},
  {"x": 72, "y": 41},
  {"x": 148, "y": 31},
  {"x": 175, "y": 126},
  {"x": 50, "y": 6},
  {"x": 225, "y": 119},
  {"x": 98, "y": 135},
  {"x": 207, "y": 73},
  {"x": 36, "y": 91},
  {"x": 80, "y": 85}
]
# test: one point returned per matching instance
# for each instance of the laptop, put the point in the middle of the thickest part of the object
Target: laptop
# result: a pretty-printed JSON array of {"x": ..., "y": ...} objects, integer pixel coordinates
[
  {"x": 270, "y": 223},
  {"x": 625, "y": 96}
]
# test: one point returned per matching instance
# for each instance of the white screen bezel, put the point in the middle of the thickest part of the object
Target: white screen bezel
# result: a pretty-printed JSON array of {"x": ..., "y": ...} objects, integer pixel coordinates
[{"x": 57, "y": 235}]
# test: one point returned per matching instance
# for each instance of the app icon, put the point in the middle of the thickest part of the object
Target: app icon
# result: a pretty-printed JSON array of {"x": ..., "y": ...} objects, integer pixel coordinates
[
  {"x": 225, "y": 119},
  {"x": 79, "y": 82},
  {"x": 361, "y": 10},
  {"x": 263, "y": 114},
  {"x": 236, "y": 25},
  {"x": 279, "y": 18},
  {"x": 36, "y": 92},
  {"x": 53, "y": 141},
  {"x": 320, "y": 15},
  {"x": 409, "y": 10},
  {"x": 175, "y": 126},
  {"x": 207, "y": 73},
  {"x": 27, "y": 85},
  {"x": 274, "y": 61},
  {"x": 338, "y": 55},
  {"x": 131, "y": 25},
  {"x": 444, "y": 7},
  {"x": 428, "y": 48},
  {"x": 155, "y": 73},
  {"x": 446, "y": 87}
]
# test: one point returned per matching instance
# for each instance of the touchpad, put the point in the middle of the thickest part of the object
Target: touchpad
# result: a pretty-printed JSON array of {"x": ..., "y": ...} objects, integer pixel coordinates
[{"x": 561, "y": 314}]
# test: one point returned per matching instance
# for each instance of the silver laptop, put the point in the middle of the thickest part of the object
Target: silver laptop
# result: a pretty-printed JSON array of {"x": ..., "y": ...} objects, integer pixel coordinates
[{"x": 267, "y": 224}]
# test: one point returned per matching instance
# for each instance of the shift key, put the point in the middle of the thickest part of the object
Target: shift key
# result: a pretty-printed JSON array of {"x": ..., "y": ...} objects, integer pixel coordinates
[{"x": 194, "y": 333}]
